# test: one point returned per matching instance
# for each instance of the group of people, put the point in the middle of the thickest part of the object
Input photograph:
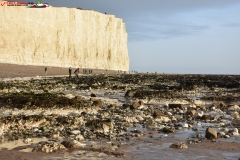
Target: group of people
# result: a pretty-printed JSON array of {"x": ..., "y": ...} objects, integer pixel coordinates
[
  {"x": 76, "y": 72},
  {"x": 86, "y": 71}
]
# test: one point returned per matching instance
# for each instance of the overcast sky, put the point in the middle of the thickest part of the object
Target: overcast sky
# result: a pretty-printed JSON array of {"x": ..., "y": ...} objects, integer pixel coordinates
[{"x": 176, "y": 36}]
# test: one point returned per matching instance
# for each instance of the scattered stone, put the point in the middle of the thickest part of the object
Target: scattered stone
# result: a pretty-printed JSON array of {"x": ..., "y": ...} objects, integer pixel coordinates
[
  {"x": 93, "y": 95},
  {"x": 136, "y": 105},
  {"x": 222, "y": 105},
  {"x": 97, "y": 103},
  {"x": 79, "y": 138},
  {"x": 48, "y": 147},
  {"x": 168, "y": 129},
  {"x": 211, "y": 133},
  {"x": 178, "y": 146},
  {"x": 180, "y": 106},
  {"x": 162, "y": 119},
  {"x": 191, "y": 112},
  {"x": 235, "y": 132},
  {"x": 112, "y": 106},
  {"x": 27, "y": 140},
  {"x": 75, "y": 132},
  {"x": 69, "y": 144},
  {"x": 206, "y": 117},
  {"x": 236, "y": 121},
  {"x": 233, "y": 108}
]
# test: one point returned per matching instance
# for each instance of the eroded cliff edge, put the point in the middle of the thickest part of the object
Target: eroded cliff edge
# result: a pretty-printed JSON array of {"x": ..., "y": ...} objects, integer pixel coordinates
[{"x": 62, "y": 37}]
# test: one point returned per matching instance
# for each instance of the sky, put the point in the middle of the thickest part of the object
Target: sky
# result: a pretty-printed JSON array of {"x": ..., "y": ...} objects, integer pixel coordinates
[{"x": 176, "y": 36}]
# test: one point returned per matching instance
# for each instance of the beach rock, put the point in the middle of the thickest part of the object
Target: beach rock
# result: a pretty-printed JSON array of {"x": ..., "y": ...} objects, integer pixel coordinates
[
  {"x": 48, "y": 147},
  {"x": 178, "y": 146},
  {"x": 222, "y": 134},
  {"x": 93, "y": 95},
  {"x": 206, "y": 117},
  {"x": 27, "y": 140},
  {"x": 199, "y": 113},
  {"x": 236, "y": 121},
  {"x": 97, "y": 103},
  {"x": 157, "y": 113},
  {"x": 192, "y": 106},
  {"x": 225, "y": 130},
  {"x": 180, "y": 106},
  {"x": 139, "y": 118},
  {"x": 168, "y": 129},
  {"x": 69, "y": 96},
  {"x": 185, "y": 125},
  {"x": 75, "y": 132},
  {"x": 162, "y": 119},
  {"x": 78, "y": 97},
  {"x": 235, "y": 132},
  {"x": 130, "y": 93},
  {"x": 69, "y": 144},
  {"x": 191, "y": 112},
  {"x": 131, "y": 119},
  {"x": 93, "y": 99},
  {"x": 136, "y": 105},
  {"x": 211, "y": 133},
  {"x": 79, "y": 137},
  {"x": 235, "y": 115},
  {"x": 125, "y": 106},
  {"x": 234, "y": 108},
  {"x": 112, "y": 106},
  {"x": 222, "y": 105},
  {"x": 198, "y": 102}
]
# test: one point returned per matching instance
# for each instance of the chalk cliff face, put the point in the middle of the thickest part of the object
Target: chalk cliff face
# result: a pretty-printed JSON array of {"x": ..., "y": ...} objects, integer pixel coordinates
[{"x": 62, "y": 37}]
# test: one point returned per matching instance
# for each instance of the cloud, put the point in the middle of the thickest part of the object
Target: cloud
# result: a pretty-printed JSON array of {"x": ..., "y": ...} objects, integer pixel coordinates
[
  {"x": 153, "y": 30},
  {"x": 231, "y": 25}
]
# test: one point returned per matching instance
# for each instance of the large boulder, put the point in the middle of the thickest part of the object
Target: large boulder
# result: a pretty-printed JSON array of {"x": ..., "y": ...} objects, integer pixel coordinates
[{"x": 211, "y": 133}]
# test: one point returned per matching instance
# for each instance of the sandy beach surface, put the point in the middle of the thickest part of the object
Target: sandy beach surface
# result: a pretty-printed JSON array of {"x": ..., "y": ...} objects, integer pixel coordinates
[{"x": 14, "y": 70}]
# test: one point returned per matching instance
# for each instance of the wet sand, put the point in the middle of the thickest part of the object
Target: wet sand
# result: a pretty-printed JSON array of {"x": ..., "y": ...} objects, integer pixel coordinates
[{"x": 13, "y": 70}]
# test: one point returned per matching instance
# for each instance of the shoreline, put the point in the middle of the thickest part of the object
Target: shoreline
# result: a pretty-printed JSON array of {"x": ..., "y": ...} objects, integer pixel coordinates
[{"x": 16, "y": 71}]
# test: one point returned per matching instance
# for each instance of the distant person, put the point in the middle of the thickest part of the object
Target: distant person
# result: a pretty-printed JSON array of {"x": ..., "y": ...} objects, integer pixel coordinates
[
  {"x": 105, "y": 13},
  {"x": 45, "y": 69},
  {"x": 70, "y": 72},
  {"x": 76, "y": 72}
]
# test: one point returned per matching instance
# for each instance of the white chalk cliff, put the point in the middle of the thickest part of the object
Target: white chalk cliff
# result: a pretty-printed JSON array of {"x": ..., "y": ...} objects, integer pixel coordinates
[{"x": 62, "y": 37}]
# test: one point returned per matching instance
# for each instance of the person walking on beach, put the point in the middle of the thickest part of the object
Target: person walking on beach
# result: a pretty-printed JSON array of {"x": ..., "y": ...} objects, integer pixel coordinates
[
  {"x": 45, "y": 69},
  {"x": 76, "y": 72},
  {"x": 70, "y": 72}
]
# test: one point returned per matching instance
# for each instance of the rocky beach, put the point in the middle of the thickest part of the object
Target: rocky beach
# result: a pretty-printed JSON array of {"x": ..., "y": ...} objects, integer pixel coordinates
[{"x": 120, "y": 116}]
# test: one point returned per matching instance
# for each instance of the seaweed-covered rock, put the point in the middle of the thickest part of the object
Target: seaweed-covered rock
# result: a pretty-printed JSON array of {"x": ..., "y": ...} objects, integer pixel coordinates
[
  {"x": 48, "y": 147},
  {"x": 178, "y": 146}
]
